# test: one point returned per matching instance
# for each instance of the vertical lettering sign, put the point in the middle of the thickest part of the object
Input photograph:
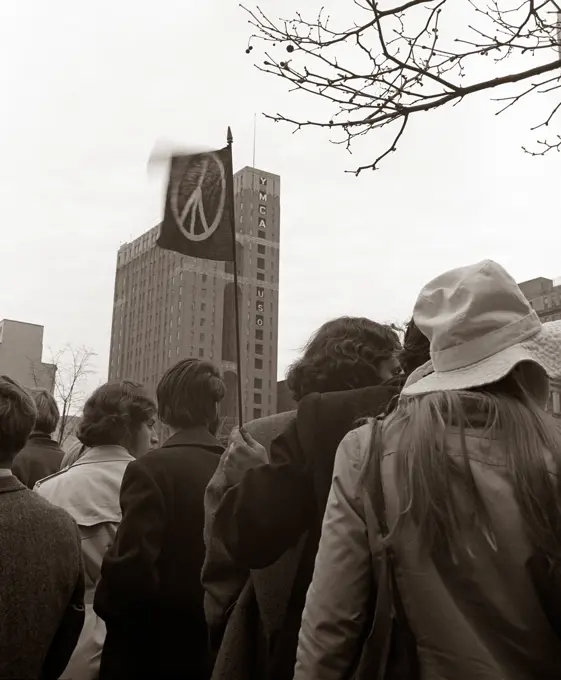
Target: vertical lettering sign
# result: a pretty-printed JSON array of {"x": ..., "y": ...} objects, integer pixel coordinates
[{"x": 262, "y": 224}]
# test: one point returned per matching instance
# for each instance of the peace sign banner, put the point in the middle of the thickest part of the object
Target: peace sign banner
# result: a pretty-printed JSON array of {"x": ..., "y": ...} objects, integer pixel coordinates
[{"x": 198, "y": 211}]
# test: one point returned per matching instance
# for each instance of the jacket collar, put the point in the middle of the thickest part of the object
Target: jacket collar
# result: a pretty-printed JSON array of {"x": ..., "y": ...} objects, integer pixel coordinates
[
  {"x": 43, "y": 440},
  {"x": 11, "y": 483},
  {"x": 195, "y": 436},
  {"x": 104, "y": 454}
]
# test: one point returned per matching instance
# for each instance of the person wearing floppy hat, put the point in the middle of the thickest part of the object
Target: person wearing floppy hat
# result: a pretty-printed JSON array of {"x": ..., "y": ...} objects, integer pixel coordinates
[{"x": 455, "y": 494}]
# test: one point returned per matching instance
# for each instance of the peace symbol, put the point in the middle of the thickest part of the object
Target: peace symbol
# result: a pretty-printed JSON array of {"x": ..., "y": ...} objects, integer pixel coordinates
[{"x": 198, "y": 192}]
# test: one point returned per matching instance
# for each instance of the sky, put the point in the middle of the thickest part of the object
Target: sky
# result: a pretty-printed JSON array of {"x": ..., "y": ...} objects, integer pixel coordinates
[{"x": 89, "y": 89}]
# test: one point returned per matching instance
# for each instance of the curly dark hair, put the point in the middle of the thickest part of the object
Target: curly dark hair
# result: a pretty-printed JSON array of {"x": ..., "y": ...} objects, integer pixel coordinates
[
  {"x": 344, "y": 354},
  {"x": 188, "y": 394},
  {"x": 114, "y": 413},
  {"x": 416, "y": 349}
]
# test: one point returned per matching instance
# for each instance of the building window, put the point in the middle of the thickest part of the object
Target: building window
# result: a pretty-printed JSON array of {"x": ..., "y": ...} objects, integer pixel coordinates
[
  {"x": 205, "y": 277},
  {"x": 257, "y": 413},
  {"x": 257, "y": 383},
  {"x": 262, "y": 235},
  {"x": 257, "y": 398},
  {"x": 261, "y": 249},
  {"x": 258, "y": 349},
  {"x": 258, "y": 334},
  {"x": 202, "y": 337},
  {"x": 203, "y": 306},
  {"x": 261, "y": 263},
  {"x": 258, "y": 363},
  {"x": 260, "y": 276},
  {"x": 202, "y": 321},
  {"x": 201, "y": 352}
]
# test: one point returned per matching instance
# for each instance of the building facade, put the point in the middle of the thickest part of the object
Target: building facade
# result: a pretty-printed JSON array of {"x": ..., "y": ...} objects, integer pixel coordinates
[
  {"x": 169, "y": 306},
  {"x": 21, "y": 355},
  {"x": 545, "y": 297}
]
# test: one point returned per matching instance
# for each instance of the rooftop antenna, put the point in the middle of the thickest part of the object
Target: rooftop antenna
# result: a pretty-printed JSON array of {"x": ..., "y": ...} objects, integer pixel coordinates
[{"x": 254, "y": 135}]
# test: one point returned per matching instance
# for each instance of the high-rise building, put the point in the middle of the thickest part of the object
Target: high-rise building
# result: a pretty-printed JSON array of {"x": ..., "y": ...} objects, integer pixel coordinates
[
  {"x": 21, "y": 352},
  {"x": 169, "y": 306}
]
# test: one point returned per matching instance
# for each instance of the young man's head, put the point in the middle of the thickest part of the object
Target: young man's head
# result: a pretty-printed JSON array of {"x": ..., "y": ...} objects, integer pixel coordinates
[
  {"x": 189, "y": 395},
  {"x": 17, "y": 419},
  {"x": 47, "y": 412},
  {"x": 344, "y": 354}
]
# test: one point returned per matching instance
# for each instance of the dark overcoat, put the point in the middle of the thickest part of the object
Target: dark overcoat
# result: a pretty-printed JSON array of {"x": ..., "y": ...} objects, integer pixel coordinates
[
  {"x": 40, "y": 458},
  {"x": 150, "y": 594},
  {"x": 270, "y": 523}
]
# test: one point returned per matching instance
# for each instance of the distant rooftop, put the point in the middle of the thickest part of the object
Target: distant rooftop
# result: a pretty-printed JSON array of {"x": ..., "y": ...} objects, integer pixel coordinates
[{"x": 24, "y": 323}]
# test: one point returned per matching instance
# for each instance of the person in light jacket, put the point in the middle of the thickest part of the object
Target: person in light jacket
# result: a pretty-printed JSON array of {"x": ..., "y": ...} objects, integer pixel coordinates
[
  {"x": 116, "y": 428},
  {"x": 469, "y": 463}
]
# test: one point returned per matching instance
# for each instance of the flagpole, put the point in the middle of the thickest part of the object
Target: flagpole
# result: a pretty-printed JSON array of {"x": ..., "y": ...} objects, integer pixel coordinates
[{"x": 230, "y": 140}]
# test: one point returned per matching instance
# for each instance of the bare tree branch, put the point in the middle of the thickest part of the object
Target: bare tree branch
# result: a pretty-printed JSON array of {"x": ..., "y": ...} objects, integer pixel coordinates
[
  {"x": 73, "y": 366},
  {"x": 391, "y": 63}
]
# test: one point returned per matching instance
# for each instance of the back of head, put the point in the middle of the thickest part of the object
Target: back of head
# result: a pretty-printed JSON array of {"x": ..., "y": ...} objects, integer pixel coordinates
[
  {"x": 47, "y": 411},
  {"x": 346, "y": 353},
  {"x": 491, "y": 359},
  {"x": 189, "y": 394},
  {"x": 416, "y": 349},
  {"x": 17, "y": 418},
  {"x": 114, "y": 414}
]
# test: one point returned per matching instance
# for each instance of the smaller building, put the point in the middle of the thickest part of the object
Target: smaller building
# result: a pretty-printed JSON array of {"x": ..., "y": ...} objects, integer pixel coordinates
[
  {"x": 21, "y": 355},
  {"x": 545, "y": 297}
]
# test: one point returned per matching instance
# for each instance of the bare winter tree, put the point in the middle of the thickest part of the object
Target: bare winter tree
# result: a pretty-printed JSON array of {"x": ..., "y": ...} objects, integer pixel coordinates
[
  {"x": 385, "y": 62},
  {"x": 72, "y": 365}
]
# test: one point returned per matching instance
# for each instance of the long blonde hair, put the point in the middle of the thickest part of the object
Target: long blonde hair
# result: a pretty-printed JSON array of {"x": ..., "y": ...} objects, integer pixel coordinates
[{"x": 426, "y": 475}]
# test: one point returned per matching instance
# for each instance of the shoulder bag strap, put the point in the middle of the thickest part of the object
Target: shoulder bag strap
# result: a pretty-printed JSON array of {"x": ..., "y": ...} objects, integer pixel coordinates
[
  {"x": 374, "y": 657},
  {"x": 388, "y": 607}
]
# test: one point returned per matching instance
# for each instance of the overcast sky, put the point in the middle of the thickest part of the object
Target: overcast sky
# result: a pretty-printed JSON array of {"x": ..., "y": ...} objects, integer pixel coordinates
[{"x": 89, "y": 88}]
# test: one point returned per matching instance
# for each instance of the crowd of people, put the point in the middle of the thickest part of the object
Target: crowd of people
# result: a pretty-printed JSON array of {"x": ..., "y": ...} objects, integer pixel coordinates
[{"x": 403, "y": 522}]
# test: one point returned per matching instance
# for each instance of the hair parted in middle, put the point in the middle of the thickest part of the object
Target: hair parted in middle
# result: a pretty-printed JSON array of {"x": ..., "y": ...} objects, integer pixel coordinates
[
  {"x": 114, "y": 413},
  {"x": 188, "y": 394},
  {"x": 343, "y": 354},
  {"x": 48, "y": 414}
]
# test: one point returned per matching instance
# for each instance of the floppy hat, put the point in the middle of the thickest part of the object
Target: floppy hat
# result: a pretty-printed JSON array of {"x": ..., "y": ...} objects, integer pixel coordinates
[{"x": 480, "y": 326}]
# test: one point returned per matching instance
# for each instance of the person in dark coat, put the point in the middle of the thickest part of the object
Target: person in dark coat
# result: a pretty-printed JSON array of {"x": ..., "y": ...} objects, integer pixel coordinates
[
  {"x": 42, "y": 455},
  {"x": 42, "y": 584},
  {"x": 344, "y": 353},
  {"x": 279, "y": 505},
  {"x": 150, "y": 594}
]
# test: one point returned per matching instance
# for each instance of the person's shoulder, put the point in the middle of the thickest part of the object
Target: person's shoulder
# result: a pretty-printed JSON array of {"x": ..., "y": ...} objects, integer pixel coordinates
[
  {"x": 51, "y": 516},
  {"x": 355, "y": 445},
  {"x": 375, "y": 397},
  {"x": 43, "y": 486},
  {"x": 269, "y": 427}
]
